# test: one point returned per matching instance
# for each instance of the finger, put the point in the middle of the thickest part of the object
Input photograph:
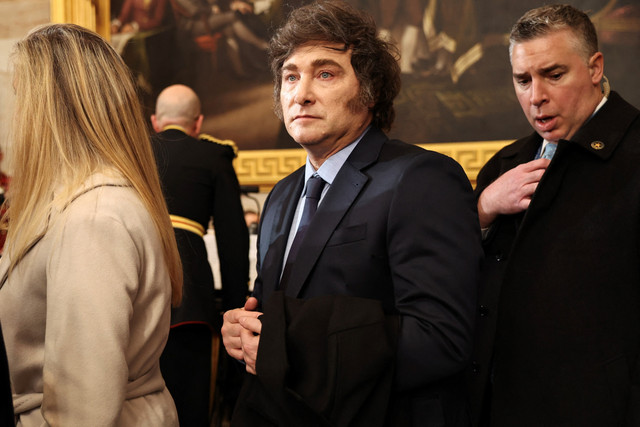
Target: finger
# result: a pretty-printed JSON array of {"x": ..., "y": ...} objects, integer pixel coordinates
[
  {"x": 231, "y": 337},
  {"x": 232, "y": 316},
  {"x": 533, "y": 176},
  {"x": 529, "y": 189},
  {"x": 233, "y": 345},
  {"x": 251, "y": 304},
  {"x": 250, "y": 343},
  {"x": 236, "y": 353},
  {"x": 251, "y": 369},
  {"x": 538, "y": 164},
  {"x": 252, "y": 324},
  {"x": 524, "y": 203}
]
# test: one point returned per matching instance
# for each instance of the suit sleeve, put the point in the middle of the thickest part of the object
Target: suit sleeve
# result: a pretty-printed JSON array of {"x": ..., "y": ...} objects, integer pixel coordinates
[
  {"x": 232, "y": 236},
  {"x": 434, "y": 253}
]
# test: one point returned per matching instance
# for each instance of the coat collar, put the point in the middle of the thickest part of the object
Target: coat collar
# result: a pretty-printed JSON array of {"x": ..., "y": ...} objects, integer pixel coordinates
[
  {"x": 107, "y": 178},
  {"x": 603, "y": 132},
  {"x": 521, "y": 151},
  {"x": 600, "y": 137}
]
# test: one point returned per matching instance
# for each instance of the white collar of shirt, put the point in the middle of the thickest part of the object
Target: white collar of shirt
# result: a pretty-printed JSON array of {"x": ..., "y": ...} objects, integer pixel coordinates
[{"x": 598, "y": 107}]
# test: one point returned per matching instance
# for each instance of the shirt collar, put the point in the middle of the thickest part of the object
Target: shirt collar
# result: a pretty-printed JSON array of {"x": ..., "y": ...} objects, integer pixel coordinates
[
  {"x": 333, "y": 164},
  {"x": 602, "y": 101}
]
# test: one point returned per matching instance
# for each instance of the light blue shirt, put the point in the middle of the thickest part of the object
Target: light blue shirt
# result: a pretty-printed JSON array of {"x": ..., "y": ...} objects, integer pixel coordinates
[{"x": 328, "y": 172}]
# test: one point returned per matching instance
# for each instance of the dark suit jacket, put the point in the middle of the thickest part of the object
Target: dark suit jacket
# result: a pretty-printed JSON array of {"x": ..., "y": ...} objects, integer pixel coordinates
[
  {"x": 559, "y": 314},
  {"x": 199, "y": 182},
  {"x": 317, "y": 365},
  {"x": 398, "y": 225}
]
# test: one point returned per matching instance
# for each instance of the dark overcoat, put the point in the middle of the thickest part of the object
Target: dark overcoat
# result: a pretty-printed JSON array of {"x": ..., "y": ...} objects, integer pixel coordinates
[{"x": 558, "y": 332}]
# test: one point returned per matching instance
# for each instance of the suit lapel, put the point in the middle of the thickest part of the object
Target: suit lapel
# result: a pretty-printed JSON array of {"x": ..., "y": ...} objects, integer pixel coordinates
[
  {"x": 513, "y": 156},
  {"x": 550, "y": 182},
  {"x": 278, "y": 222},
  {"x": 343, "y": 192}
]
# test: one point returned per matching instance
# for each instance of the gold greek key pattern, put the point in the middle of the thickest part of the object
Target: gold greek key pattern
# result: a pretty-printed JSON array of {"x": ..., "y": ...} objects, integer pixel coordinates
[{"x": 266, "y": 167}]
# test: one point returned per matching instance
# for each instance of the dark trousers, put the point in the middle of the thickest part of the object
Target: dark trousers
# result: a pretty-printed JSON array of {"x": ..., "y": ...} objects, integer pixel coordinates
[{"x": 186, "y": 368}]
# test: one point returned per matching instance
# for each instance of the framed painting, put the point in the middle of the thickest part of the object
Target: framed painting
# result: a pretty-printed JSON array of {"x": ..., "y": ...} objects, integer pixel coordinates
[{"x": 457, "y": 95}]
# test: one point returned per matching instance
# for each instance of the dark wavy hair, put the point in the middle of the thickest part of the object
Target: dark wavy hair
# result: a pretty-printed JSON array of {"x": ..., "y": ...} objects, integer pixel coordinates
[
  {"x": 547, "y": 19},
  {"x": 374, "y": 60}
]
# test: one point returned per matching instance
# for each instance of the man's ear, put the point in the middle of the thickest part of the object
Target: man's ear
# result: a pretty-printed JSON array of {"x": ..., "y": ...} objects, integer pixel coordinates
[
  {"x": 154, "y": 124},
  {"x": 596, "y": 67},
  {"x": 197, "y": 126}
]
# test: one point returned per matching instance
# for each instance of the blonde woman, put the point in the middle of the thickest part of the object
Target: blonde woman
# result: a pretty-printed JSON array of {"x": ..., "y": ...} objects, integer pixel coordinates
[{"x": 91, "y": 266}]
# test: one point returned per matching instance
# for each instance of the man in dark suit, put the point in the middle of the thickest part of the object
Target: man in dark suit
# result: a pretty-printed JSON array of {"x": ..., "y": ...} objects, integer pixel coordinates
[
  {"x": 199, "y": 183},
  {"x": 395, "y": 231},
  {"x": 558, "y": 337}
]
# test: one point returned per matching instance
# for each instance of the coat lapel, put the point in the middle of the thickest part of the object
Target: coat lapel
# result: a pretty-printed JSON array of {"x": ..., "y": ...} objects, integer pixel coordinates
[
  {"x": 348, "y": 184},
  {"x": 595, "y": 138},
  {"x": 513, "y": 155},
  {"x": 278, "y": 222}
]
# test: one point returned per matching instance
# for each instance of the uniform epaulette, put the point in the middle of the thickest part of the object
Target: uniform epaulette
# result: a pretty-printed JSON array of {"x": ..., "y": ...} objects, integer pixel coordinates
[{"x": 226, "y": 142}]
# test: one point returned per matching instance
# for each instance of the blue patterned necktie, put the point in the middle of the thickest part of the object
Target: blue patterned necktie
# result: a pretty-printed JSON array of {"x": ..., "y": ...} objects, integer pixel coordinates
[
  {"x": 549, "y": 151},
  {"x": 315, "y": 184}
]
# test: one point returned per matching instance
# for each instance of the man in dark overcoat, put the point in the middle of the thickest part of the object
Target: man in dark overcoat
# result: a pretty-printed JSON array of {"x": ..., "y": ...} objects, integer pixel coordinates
[{"x": 558, "y": 334}]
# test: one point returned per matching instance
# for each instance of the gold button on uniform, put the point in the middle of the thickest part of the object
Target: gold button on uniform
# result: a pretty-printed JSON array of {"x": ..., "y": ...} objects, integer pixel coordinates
[{"x": 597, "y": 145}]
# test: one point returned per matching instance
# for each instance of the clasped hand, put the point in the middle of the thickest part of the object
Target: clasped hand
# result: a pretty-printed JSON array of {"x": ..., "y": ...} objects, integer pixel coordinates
[{"x": 241, "y": 333}]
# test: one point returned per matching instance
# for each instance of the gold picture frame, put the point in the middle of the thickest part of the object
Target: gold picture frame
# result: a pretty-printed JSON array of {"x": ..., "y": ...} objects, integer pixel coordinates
[{"x": 264, "y": 168}]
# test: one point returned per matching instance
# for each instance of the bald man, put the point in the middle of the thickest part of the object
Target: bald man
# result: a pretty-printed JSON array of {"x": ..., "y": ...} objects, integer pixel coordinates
[{"x": 199, "y": 183}]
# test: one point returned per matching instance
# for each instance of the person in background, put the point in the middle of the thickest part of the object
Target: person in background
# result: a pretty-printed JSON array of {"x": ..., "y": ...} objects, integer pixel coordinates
[
  {"x": 230, "y": 25},
  {"x": 140, "y": 15},
  {"x": 252, "y": 218},
  {"x": 91, "y": 267},
  {"x": 367, "y": 319},
  {"x": 558, "y": 336},
  {"x": 199, "y": 183}
]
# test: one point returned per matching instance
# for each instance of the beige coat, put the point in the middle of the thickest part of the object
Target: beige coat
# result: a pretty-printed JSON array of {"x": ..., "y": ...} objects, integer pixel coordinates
[{"x": 86, "y": 316}]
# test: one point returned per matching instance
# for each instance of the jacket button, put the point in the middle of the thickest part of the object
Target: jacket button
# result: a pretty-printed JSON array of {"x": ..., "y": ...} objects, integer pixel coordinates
[
  {"x": 499, "y": 257},
  {"x": 475, "y": 367},
  {"x": 484, "y": 311}
]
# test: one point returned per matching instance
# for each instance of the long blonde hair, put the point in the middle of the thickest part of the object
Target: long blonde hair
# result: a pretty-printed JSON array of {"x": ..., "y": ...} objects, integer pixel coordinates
[{"x": 77, "y": 113}]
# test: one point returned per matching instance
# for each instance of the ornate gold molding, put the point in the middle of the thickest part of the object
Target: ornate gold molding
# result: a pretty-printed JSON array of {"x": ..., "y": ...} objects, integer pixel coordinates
[{"x": 266, "y": 167}]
